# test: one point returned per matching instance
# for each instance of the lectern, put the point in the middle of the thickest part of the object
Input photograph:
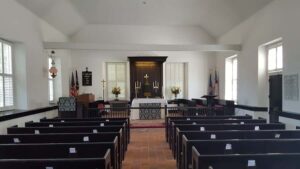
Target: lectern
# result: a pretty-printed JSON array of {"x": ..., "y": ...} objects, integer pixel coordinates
[{"x": 85, "y": 99}]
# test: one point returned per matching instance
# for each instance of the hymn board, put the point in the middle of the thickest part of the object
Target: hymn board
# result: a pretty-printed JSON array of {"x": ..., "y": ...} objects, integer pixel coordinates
[{"x": 146, "y": 77}]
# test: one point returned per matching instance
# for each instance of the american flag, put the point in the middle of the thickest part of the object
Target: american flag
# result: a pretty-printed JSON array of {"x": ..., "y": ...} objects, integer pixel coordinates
[
  {"x": 72, "y": 86},
  {"x": 216, "y": 85},
  {"x": 77, "y": 84},
  {"x": 210, "y": 86}
]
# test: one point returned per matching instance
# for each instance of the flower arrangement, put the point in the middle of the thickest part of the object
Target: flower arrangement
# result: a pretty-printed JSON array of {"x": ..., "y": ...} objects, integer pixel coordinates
[
  {"x": 116, "y": 90},
  {"x": 175, "y": 90}
]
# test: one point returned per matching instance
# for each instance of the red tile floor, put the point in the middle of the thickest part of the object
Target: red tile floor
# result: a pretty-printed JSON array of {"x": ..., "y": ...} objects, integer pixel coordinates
[{"x": 148, "y": 150}]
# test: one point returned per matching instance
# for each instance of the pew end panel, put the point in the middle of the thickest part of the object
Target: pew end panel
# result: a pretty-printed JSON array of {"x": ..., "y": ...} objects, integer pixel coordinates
[{"x": 195, "y": 157}]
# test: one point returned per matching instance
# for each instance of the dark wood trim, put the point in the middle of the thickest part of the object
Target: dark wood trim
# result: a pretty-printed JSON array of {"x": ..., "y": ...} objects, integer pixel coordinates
[
  {"x": 23, "y": 113},
  {"x": 154, "y": 72},
  {"x": 251, "y": 108},
  {"x": 290, "y": 115},
  {"x": 148, "y": 58}
]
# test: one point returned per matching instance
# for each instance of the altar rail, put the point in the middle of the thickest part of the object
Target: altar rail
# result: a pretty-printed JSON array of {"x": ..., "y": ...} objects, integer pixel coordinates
[{"x": 121, "y": 112}]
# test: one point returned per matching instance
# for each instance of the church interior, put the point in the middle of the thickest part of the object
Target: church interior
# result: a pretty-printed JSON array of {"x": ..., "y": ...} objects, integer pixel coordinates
[{"x": 149, "y": 84}]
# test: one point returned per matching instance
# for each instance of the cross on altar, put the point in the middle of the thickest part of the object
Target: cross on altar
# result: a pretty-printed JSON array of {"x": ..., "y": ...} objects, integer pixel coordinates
[
  {"x": 103, "y": 87},
  {"x": 146, "y": 76},
  {"x": 103, "y": 82}
]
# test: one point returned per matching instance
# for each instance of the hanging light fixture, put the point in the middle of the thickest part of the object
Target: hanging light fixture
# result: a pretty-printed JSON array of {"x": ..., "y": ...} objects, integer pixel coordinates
[{"x": 53, "y": 70}]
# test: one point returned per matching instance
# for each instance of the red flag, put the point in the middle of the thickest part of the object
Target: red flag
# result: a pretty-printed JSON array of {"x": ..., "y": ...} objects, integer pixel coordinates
[
  {"x": 216, "y": 86},
  {"x": 77, "y": 84},
  {"x": 210, "y": 86},
  {"x": 72, "y": 87}
]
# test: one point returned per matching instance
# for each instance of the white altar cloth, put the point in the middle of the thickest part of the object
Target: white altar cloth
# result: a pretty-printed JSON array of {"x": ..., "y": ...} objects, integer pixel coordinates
[{"x": 136, "y": 103}]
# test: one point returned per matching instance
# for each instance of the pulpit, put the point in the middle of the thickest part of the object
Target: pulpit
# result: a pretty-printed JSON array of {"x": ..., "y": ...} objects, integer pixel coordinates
[{"x": 84, "y": 99}]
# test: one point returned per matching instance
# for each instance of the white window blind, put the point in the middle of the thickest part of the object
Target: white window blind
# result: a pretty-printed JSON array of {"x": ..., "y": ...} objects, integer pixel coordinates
[
  {"x": 6, "y": 76},
  {"x": 175, "y": 77},
  {"x": 50, "y": 82},
  {"x": 231, "y": 78},
  {"x": 116, "y": 77},
  {"x": 275, "y": 57}
]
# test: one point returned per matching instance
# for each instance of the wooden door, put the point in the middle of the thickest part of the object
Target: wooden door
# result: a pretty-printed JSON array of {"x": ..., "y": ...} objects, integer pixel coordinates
[{"x": 275, "y": 97}]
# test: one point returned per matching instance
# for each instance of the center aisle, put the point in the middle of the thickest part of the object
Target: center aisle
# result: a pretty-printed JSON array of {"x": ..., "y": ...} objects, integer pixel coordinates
[{"x": 148, "y": 150}]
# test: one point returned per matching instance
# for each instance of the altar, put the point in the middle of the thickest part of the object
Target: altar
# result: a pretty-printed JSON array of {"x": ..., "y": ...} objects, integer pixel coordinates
[{"x": 149, "y": 113}]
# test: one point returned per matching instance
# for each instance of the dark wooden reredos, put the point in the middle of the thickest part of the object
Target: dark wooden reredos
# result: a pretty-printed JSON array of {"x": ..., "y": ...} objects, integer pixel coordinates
[{"x": 152, "y": 66}]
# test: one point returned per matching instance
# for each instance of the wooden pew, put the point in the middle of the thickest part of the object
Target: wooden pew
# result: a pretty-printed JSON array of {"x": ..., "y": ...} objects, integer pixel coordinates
[
  {"x": 84, "y": 119},
  {"x": 245, "y": 161},
  {"x": 212, "y": 121},
  {"x": 214, "y": 127},
  {"x": 254, "y": 146},
  {"x": 81, "y": 129},
  {"x": 102, "y": 162},
  {"x": 59, "y": 151},
  {"x": 169, "y": 119},
  {"x": 64, "y": 138},
  {"x": 127, "y": 120},
  {"x": 81, "y": 123},
  {"x": 222, "y": 135}
]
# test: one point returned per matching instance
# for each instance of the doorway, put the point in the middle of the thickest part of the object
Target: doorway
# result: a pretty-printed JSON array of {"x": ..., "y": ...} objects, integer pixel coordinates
[{"x": 275, "y": 97}]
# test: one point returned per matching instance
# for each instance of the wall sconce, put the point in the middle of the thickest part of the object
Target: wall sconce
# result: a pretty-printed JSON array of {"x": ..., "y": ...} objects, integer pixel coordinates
[{"x": 53, "y": 70}]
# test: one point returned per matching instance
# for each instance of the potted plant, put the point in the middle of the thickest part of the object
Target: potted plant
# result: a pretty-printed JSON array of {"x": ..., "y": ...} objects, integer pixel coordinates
[
  {"x": 116, "y": 91},
  {"x": 175, "y": 90}
]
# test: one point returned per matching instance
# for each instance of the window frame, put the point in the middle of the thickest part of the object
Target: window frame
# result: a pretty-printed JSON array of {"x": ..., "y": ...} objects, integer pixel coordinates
[
  {"x": 108, "y": 92},
  {"x": 12, "y": 75},
  {"x": 230, "y": 80},
  {"x": 49, "y": 80},
  {"x": 270, "y": 47},
  {"x": 173, "y": 80}
]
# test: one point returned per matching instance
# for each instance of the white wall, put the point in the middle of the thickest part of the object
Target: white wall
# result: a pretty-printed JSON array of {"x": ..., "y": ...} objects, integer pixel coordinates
[
  {"x": 198, "y": 67},
  {"x": 277, "y": 20},
  {"x": 139, "y": 34},
  {"x": 198, "y": 63},
  {"x": 62, "y": 59},
  {"x": 23, "y": 27},
  {"x": 28, "y": 32},
  {"x": 21, "y": 121},
  {"x": 274, "y": 21}
]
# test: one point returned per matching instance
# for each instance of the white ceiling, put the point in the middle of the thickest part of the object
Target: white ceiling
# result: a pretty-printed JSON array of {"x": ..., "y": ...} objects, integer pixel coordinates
[{"x": 215, "y": 16}]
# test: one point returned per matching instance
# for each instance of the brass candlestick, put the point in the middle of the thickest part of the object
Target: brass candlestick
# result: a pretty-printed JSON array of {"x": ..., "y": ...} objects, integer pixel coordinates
[
  {"x": 137, "y": 87},
  {"x": 155, "y": 86}
]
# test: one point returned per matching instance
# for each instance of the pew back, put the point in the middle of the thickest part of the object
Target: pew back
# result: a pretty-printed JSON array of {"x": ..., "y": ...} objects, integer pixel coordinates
[
  {"x": 257, "y": 161},
  {"x": 103, "y": 162}
]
